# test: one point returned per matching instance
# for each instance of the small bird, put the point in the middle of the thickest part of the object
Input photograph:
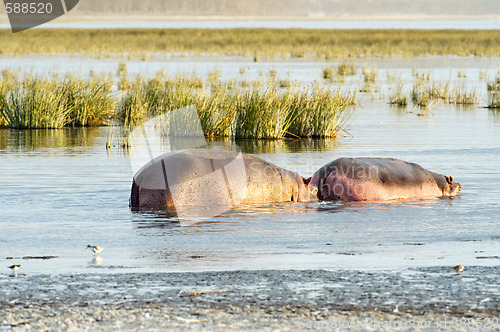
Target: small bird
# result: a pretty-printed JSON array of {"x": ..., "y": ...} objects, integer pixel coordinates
[
  {"x": 14, "y": 267},
  {"x": 97, "y": 250},
  {"x": 458, "y": 268}
]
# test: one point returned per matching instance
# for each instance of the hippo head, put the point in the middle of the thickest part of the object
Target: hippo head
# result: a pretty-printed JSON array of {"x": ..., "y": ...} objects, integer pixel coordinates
[
  {"x": 307, "y": 192},
  {"x": 451, "y": 188}
]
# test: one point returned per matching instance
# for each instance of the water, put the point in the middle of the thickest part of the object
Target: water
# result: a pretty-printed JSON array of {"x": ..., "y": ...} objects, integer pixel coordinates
[
  {"x": 460, "y": 24},
  {"x": 61, "y": 190}
]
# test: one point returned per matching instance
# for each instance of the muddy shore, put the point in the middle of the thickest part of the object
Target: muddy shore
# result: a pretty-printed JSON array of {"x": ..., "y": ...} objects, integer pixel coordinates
[{"x": 412, "y": 299}]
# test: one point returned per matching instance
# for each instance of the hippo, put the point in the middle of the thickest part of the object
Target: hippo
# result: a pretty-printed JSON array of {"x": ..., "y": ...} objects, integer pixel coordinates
[
  {"x": 379, "y": 179},
  {"x": 214, "y": 179}
]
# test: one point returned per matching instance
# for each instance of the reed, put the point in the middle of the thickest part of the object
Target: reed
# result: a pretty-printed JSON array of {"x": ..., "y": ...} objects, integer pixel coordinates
[
  {"x": 320, "y": 112},
  {"x": 39, "y": 104},
  {"x": 263, "y": 112},
  {"x": 465, "y": 96},
  {"x": 420, "y": 94},
  {"x": 425, "y": 91},
  {"x": 217, "y": 111},
  {"x": 328, "y": 73},
  {"x": 398, "y": 97},
  {"x": 90, "y": 102},
  {"x": 370, "y": 75},
  {"x": 319, "y": 44},
  {"x": 346, "y": 69},
  {"x": 494, "y": 93}
]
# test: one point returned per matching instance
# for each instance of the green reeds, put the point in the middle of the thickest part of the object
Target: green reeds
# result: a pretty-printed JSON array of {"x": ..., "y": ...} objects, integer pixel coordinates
[
  {"x": 398, "y": 97},
  {"x": 224, "y": 111},
  {"x": 217, "y": 110},
  {"x": 494, "y": 93},
  {"x": 39, "y": 104},
  {"x": 258, "y": 44},
  {"x": 425, "y": 93},
  {"x": 52, "y": 103},
  {"x": 464, "y": 96},
  {"x": 320, "y": 112},
  {"x": 90, "y": 102},
  {"x": 266, "y": 114},
  {"x": 346, "y": 69}
]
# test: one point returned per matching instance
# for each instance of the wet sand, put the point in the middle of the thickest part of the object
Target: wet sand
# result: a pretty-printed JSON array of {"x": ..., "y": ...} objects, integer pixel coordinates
[{"x": 411, "y": 299}]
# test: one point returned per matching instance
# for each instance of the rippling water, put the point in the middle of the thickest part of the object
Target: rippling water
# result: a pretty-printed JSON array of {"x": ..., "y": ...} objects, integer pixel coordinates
[{"x": 61, "y": 190}]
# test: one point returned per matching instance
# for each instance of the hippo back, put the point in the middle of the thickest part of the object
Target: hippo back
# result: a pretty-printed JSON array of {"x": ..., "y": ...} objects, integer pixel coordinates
[
  {"x": 379, "y": 179},
  {"x": 209, "y": 177}
]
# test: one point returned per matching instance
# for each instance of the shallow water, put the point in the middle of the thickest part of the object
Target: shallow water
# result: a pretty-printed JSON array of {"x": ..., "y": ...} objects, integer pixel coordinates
[
  {"x": 471, "y": 24},
  {"x": 62, "y": 190}
]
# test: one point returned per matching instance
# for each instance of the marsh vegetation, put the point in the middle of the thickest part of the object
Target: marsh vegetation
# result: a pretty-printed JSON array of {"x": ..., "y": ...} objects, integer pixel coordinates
[
  {"x": 225, "y": 109},
  {"x": 256, "y": 44}
]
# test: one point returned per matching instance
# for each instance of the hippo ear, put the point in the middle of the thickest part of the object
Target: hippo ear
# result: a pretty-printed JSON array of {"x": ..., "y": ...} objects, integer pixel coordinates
[
  {"x": 306, "y": 181},
  {"x": 449, "y": 179}
]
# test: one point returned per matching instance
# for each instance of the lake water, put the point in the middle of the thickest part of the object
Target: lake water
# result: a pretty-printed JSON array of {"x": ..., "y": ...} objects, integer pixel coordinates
[
  {"x": 154, "y": 23},
  {"x": 61, "y": 190}
]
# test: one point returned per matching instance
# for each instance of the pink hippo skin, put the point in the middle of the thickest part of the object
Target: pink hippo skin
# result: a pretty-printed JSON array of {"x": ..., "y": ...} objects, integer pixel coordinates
[
  {"x": 379, "y": 179},
  {"x": 212, "y": 178}
]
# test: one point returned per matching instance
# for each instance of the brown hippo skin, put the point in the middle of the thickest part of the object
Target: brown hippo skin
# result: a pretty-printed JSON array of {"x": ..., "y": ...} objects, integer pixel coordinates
[
  {"x": 379, "y": 179},
  {"x": 212, "y": 178}
]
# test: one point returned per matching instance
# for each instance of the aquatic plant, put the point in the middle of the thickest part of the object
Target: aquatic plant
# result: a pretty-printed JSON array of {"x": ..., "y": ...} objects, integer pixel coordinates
[
  {"x": 370, "y": 74},
  {"x": 420, "y": 94},
  {"x": 494, "y": 93},
  {"x": 320, "y": 112},
  {"x": 425, "y": 91},
  {"x": 255, "y": 44},
  {"x": 90, "y": 102},
  {"x": 39, "y": 104},
  {"x": 328, "y": 73},
  {"x": 346, "y": 69},
  {"x": 262, "y": 114},
  {"x": 257, "y": 111},
  {"x": 398, "y": 96},
  {"x": 465, "y": 96}
]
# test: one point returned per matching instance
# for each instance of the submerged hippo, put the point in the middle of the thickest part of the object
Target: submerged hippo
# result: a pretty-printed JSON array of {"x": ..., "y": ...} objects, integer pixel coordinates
[
  {"x": 374, "y": 179},
  {"x": 213, "y": 178}
]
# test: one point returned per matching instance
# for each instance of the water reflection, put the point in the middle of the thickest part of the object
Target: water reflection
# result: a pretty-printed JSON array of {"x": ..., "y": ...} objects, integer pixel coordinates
[
  {"x": 12, "y": 140},
  {"x": 494, "y": 114},
  {"x": 118, "y": 139},
  {"x": 287, "y": 145},
  {"x": 232, "y": 220}
]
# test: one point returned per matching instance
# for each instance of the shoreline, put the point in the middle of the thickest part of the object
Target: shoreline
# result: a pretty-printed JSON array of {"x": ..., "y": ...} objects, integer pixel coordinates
[{"x": 253, "y": 300}]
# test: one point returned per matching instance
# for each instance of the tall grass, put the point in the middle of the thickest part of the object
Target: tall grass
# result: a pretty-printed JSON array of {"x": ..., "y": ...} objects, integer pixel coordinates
[
  {"x": 317, "y": 44},
  {"x": 494, "y": 93},
  {"x": 52, "y": 103},
  {"x": 398, "y": 96},
  {"x": 40, "y": 104},
  {"x": 321, "y": 112},
  {"x": 90, "y": 102},
  {"x": 425, "y": 92},
  {"x": 262, "y": 112},
  {"x": 266, "y": 114}
]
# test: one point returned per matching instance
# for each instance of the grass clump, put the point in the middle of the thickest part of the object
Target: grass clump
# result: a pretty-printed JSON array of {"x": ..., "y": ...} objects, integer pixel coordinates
[
  {"x": 265, "y": 114},
  {"x": 255, "y": 112},
  {"x": 345, "y": 69},
  {"x": 321, "y": 112},
  {"x": 328, "y": 73},
  {"x": 494, "y": 93},
  {"x": 51, "y": 103},
  {"x": 37, "y": 104},
  {"x": 90, "y": 103},
  {"x": 465, "y": 96}
]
